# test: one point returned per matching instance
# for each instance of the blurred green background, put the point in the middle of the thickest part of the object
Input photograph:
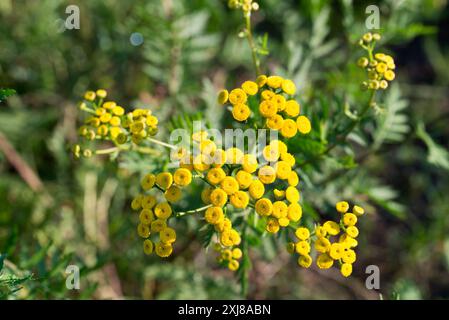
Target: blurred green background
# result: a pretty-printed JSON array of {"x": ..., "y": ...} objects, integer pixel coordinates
[{"x": 56, "y": 211}]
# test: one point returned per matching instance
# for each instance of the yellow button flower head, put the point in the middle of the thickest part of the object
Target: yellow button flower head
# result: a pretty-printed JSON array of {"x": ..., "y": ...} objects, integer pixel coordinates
[
  {"x": 163, "y": 210},
  {"x": 352, "y": 231},
  {"x": 272, "y": 225},
  {"x": 342, "y": 206},
  {"x": 237, "y": 253},
  {"x": 249, "y": 163},
  {"x": 275, "y": 122},
  {"x": 267, "y": 94},
  {"x": 218, "y": 197},
  {"x": 158, "y": 225},
  {"x": 349, "y": 256},
  {"x": 264, "y": 207},
  {"x": 89, "y": 96},
  {"x": 302, "y": 248},
  {"x": 284, "y": 222},
  {"x": 305, "y": 261},
  {"x": 223, "y": 96},
  {"x": 146, "y": 216},
  {"x": 280, "y": 209},
  {"x": 358, "y": 210},
  {"x": 389, "y": 75},
  {"x": 115, "y": 121},
  {"x": 322, "y": 245},
  {"x": 324, "y": 261},
  {"x": 136, "y": 204},
  {"x": 320, "y": 231},
  {"x": 148, "y": 202},
  {"x": 164, "y": 180},
  {"x": 163, "y": 250},
  {"x": 346, "y": 269},
  {"x": 239, "y": 199},
  {"x": 215, "y": 175},
  {"x": 349, "y": 219},
  {"x": 223, "y": 226},
  {"x": 256, "y": 189},
  {"x": 348, "y": 241},
  {"x": 101, "y": 93},
  {"x": 233, "y": 265},
  {"x": 105, "y": 117},
  {"x": 167, "y": 235},
  {"x": 294, "y": 212},
  {"x": 292, "y": 108},
  {"x": 274, "y": 82},
  {"x": 279, "y": 102},
  {"x": 291, "y": 247},
  {"x": 148, "y": 181},
  {"x": 288, "y": 87},
  {"x": 292, "y": 194},
  {"x": 173, "y": 194},
  {"x": 244, "y": 179},
  {"x": 336, "y": 251},
  {"x": 205, "y": 195},
  {"x": 293, "y": 179},
  {"x": 250, "y": 88},
  {"x": 302, "y": 233},
  {"x": 271, "y": 153},
  {"x": 117, "y": 110},
  {"x": 268, "y": 109},
  {"x": 229, "y": 185},
  {"x": 182, "y": 177},
  {"x": 267, "y": 174},
  {"x": 214, "y": 215},
  {"x": 143, "y": 230},
  {"x": 237, "y": 96},
  {"x": 331, "y": 228},
  {"x": 261, "y": 80},
  {"x": 241, "y": 112},
  {"x": 289, "y": 128},
  {"x": 279, "y": 194},
  {"x": 148, "y": 247},
  {"x": 225, "y": 238},
  {"x": 303, "y": 124}
]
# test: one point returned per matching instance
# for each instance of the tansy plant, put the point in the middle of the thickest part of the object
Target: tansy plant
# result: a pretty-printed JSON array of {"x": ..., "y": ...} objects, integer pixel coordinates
[{"x": 243, "y": 191}]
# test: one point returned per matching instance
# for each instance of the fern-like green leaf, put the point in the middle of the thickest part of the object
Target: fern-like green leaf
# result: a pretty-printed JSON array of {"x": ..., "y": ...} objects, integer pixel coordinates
[
  {"x": 392, "y": 123},
  {"x": 438, "y": 156}
]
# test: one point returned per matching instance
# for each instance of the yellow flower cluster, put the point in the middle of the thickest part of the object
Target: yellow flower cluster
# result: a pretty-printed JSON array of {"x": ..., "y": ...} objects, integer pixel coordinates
[
  {"x": 246, "y": 5},
  {"x": 272, "y": 97},
  {"x": 379, "y": 66},
  {"x": 109, "y": 121},
  {"x": 285, "y": 207},
  {"x": 229, "y": 257},
  {"x": 154, "y": 215},
  {"x": 333, "y": 241}
]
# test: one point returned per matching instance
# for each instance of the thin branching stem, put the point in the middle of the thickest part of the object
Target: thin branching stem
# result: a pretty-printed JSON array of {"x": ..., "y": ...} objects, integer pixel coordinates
[
  {"x": 183, "y": 213},
  {"x": 251, "y": 42}
]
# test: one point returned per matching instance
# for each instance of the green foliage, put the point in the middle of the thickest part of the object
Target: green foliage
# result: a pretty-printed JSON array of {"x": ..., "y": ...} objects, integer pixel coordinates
[
  {"x": 5, "y": 93},
  {"x": 394, "y": 162},
  {"x": 437, "y": 155},
  {"x": 392, "y": 124}
]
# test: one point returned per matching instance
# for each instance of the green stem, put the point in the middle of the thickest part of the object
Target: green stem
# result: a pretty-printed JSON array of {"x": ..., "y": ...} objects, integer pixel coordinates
[
  {"x": 164, "y": 144},
  {"x": 183, "y": 213},
  {"x": 252, "y": 44},
  {"x": 107, "y": 151}
]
